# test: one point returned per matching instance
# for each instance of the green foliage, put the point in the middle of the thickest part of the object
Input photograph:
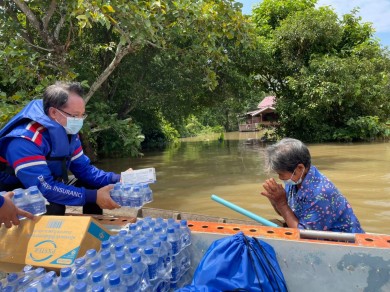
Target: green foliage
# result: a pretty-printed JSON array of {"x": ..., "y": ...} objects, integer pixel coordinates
[
  {"x": 115, "y": 137},
  {"x": 329, "y": 76},
  {"x": 193, "y": 127},
  {"x": 150, "y": 61},
  {"x": 366, "y": 128}
]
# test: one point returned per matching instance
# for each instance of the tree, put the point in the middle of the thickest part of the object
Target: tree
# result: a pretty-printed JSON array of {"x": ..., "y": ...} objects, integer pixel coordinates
[
  {"x": 329, "y": 75},
  {"x": 64, "y": 39}
]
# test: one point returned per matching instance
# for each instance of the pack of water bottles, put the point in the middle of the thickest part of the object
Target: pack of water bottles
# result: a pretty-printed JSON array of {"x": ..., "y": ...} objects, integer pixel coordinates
[
  {"x": 30, "y": 200},
  {"x": 132, "y": 195},
  {"x": 152, "y": 255}
]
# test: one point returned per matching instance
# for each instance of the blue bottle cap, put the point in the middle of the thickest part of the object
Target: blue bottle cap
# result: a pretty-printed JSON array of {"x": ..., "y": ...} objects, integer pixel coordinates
[
  {"x": 65, "y": 272},
  {"x": 105, "y": 244},
  {"x": 47, "y": 281},
  {"x": 79, "y": 262},
  {"x": 80, "y": 287},
  {"x": 97, "y": 276},
  {"x": 156, "y": 243},
  {"x": 119, "y": 246},
  {"x": 114, "y": 279},
  {"x": 90, "y": 253},
  {"x": 81, "y": 273},
  {"x": 96, "y": 263},
  {"x": 63, "y": 284},
  {"x": 136, "y": 258},
  {"x": 127, "y": 269},
  {"x": 105, "y": 255},
  {"x": 120, "y": 255},
  {"x": 97, "y": 288}
]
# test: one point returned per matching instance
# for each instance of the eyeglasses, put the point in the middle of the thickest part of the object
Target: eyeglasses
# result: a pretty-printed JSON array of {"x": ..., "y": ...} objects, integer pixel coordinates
[{"x": 73, "y": 116}]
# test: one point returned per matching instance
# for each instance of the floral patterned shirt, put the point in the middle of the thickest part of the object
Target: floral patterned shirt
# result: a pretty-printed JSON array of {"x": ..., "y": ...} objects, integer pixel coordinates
[{"x": 319, "y": 205}]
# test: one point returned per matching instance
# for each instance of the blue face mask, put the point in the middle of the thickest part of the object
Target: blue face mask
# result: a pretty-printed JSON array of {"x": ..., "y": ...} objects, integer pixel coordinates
[
  {"x": 73, "y": 125},
  {"x": 291, "y": 182}
]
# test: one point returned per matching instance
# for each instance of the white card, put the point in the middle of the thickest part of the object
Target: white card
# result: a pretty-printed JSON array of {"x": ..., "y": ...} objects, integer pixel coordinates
[{"x": 145, "y": 175}]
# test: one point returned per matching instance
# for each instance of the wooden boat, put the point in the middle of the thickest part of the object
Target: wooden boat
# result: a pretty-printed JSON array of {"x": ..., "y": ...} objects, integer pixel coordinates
[{"x": 309, "y": 260}]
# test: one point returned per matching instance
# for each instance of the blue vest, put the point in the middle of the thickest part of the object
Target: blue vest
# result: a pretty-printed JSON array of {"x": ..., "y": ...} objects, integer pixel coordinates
[{"x": 60, "y": 144}]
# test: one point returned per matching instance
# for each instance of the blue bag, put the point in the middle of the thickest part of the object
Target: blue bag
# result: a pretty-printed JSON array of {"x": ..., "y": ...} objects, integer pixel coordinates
[{"x": 238, "y": 263}]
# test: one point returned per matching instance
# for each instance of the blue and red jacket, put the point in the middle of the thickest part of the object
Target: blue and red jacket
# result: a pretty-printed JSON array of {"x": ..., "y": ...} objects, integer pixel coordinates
[{"x": 36, "y": 150}]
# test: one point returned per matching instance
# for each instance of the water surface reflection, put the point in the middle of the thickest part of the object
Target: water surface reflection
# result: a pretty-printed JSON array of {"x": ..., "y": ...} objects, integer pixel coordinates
[{"x": 188, "y": 173}]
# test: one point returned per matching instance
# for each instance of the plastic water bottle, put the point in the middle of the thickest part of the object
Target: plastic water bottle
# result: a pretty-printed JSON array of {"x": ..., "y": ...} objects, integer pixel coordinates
[
  {"x": 130, "y": 278},
  {"x": 116, "y": 194},
  {"x": 151, "y": 260},
  {"x": 132, "y": 228},
  {"x": 176, "y": 270},
  {"x": 128, "y": 240},
  {"x": 160, "y": 258},
  {"x": 120, "y": 258},
  {"x": 79, "y": 262},
  {"x": 126, "y": 193},
  {"x": 136, "y": 200},
  {"x": 37, "y": 275},
  {"x": 47, "y": 283},
  {"x": 141, "y": 245},
  {"x": 37, "y": 201},
  {"x": 20, "y": 201},
  {"x": 81, "y": 275},
  {"x": 105, "y": 256},
  {"x": 119, "y": 247},
  {"x": 97, "y": 278},
  {"x": 142, "y": 270},
  {"x": 109, "y": 268},
  {"x": 97, "y": 288},
  {"x": 64, "y": 285},
  {"x": 185, "y": 234},
  {"x": 90, "y": 255},
  {"x": 148, "y": 193},
  {"x": 105, "y": 245},
  {"x": 174, "y": 240},
  {"x": 166, "y": 250},
  {"x": 81, "y": 286},
  {"x": 95, "y": 265},
  {"x": 66, "y": 273},
  {"x": 114, "y": 283},
  {"x": 122, "y": 233}
]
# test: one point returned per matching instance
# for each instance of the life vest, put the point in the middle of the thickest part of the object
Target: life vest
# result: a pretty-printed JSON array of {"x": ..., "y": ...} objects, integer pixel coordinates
[{"x": 60, "y": 151}]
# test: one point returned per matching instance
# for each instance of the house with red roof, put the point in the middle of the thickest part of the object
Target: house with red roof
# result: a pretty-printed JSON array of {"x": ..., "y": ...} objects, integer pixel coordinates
[{"x": 264, "y": 115}]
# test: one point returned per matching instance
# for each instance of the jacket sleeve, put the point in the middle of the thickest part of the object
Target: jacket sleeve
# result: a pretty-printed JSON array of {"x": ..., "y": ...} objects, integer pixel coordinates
[
  {"x": 88, "y": 174},
  {"x": 29, "y": 162},
  {"x": 1, "y": 201}
]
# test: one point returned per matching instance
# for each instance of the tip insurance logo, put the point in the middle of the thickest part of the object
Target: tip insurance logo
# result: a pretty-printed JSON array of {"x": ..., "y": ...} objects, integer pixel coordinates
[{"x": 43, "y": 251}]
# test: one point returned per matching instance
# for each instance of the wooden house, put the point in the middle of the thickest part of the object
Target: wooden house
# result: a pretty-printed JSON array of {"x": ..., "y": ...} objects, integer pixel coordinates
[{"x": 264, "y": 115}]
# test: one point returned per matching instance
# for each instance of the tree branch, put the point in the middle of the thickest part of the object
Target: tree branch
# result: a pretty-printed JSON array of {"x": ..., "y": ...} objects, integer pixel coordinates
[
  {"x": 59, "y": 26},
  {"x": 34, "y": 21},
  {"x": 49, "y": 14},
  {"x": 119, "y": 54}
]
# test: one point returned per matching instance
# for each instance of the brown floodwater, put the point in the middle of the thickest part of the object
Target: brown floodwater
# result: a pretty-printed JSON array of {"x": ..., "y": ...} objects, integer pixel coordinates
[{"x": 190, "y": 172}]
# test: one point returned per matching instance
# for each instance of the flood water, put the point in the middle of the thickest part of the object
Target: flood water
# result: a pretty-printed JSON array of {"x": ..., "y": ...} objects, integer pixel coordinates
[{"x": 190, "y": 172}]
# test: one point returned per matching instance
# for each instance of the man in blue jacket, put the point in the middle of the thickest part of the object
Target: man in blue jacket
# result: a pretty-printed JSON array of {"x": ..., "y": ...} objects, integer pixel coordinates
[{"x": 41, "y": 143}]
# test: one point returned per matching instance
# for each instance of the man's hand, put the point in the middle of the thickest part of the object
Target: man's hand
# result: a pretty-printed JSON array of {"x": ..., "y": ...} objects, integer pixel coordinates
[
  {"x": 103, "y": 198},
  {"x": 274, "y": 192},
  {"x": 9, "y": 212}
]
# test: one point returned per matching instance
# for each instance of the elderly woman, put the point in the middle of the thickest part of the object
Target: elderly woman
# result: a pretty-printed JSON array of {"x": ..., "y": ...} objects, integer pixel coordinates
[{"x": 309, "y": 200}]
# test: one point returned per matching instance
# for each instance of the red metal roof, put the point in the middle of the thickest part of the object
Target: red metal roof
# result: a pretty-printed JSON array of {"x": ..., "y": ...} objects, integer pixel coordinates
[{"x": 268, "y": 101}]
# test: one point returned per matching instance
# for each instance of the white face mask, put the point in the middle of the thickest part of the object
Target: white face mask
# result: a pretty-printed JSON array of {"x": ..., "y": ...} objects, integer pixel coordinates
[
  {"x": 291, "y": 182},
  {"x": 73, "y": 125}
]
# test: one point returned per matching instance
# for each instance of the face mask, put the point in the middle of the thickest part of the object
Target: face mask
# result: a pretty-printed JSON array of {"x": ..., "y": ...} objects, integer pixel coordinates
[
  {"x": 73, "y": 125},
  {"x": 291, "y": 182}
]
